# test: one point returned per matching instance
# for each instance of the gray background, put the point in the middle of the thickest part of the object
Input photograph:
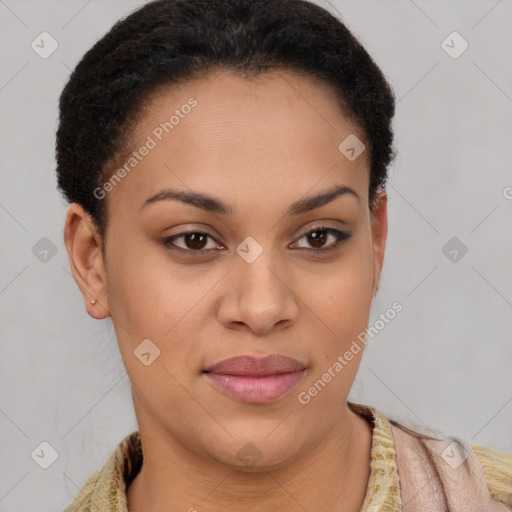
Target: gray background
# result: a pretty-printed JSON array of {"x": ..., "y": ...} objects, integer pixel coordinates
[{"x": 444, "y": 362}]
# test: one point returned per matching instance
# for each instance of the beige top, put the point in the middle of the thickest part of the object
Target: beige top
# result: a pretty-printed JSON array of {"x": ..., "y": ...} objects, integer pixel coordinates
[{"x": 478, "y": 481}]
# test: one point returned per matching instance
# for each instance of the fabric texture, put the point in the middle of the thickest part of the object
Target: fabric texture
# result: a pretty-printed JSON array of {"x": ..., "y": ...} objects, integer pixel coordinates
[{"x": 409, "y": 472}]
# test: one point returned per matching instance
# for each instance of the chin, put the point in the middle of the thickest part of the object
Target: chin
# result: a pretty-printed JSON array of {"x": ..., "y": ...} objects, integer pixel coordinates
[{"x": 257, "y": 454}]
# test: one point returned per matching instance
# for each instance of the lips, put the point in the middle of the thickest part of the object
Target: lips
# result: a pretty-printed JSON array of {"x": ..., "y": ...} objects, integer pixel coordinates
[
  {"x": 253, "y": 366},
  {"x": 256, "y": 380}
]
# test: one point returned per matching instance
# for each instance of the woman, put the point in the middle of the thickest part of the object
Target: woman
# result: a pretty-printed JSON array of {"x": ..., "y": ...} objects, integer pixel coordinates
[{"x": 226, "y": 165}]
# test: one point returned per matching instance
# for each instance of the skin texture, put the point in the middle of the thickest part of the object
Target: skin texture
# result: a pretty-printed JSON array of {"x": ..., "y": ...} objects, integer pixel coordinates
[{"x": 259, "y": 145}]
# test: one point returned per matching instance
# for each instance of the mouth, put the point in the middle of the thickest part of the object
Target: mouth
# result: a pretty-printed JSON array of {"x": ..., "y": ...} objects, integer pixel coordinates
[{"x": 256, "y": 380}]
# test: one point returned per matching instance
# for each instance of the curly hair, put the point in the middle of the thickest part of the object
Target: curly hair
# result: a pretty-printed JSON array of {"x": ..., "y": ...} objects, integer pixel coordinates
[{"x": 167, "y": 42}]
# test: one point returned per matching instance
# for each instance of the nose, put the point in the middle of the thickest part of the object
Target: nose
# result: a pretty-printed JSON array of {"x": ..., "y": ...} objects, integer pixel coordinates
[{"x": 259, "y": 296}]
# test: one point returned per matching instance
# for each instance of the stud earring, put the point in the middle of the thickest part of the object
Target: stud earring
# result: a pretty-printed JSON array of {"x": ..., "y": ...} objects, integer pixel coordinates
[{"x": 93, "y": 301}]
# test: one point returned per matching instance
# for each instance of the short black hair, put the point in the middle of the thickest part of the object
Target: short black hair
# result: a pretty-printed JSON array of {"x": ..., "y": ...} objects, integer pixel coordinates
[{"x": 167, "y": 42}]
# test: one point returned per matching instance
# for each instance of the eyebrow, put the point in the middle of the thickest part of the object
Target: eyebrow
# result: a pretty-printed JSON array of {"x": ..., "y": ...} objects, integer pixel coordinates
[{"x": 214, "y": 205}]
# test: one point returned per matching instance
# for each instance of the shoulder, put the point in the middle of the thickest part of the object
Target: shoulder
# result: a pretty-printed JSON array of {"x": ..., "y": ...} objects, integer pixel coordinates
[
  {"x": 105, "y": 490},
  {"x": 498, "y": 471},
  {"x": 84, "y": 498},
  {"x": 450, "y": 472}
]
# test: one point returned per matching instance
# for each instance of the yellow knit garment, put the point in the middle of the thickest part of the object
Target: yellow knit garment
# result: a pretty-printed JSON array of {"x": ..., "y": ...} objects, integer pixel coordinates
[{"x": 105, "y": 490}]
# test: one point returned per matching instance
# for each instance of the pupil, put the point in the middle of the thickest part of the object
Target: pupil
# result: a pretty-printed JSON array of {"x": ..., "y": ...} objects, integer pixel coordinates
[
  {"x": 193, "y": 238},
  {"x": 317, "y": 239}
]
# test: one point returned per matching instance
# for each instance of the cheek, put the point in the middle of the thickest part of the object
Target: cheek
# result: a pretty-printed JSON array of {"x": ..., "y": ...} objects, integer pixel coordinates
[
  {"x": 152, "y": 298},
  {"x": 344, "y": 305},
  {"x": 152, "y": 302},
  {"x": 347, "y": 289}
]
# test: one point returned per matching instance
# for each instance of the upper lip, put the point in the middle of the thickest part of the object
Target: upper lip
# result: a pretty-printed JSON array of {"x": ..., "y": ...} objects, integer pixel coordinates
[{"x": 256, "y": 366}]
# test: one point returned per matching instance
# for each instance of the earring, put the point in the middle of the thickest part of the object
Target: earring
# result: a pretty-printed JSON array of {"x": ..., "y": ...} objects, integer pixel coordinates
[{"x": 93, "y": 301}]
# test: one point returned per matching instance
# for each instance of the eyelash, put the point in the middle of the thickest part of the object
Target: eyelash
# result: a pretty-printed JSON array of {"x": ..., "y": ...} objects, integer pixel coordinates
[{"x": 341, "y": 236}]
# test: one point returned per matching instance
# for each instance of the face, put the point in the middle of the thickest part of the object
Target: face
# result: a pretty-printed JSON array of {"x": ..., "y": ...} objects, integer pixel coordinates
[{"x": 253, "y": 269}]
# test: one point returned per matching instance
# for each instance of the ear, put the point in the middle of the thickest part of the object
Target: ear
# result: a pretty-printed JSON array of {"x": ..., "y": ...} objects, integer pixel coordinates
[
  {"x": 83, "y": 245},
  {"x": 379, "y": 221}
]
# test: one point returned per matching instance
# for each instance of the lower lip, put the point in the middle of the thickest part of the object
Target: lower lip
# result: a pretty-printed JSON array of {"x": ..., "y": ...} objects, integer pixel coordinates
[{"x": 256, "y": 390}]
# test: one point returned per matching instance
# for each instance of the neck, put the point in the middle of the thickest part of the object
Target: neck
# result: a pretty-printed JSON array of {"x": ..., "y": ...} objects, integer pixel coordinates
[{"x": 332, "y": 476}]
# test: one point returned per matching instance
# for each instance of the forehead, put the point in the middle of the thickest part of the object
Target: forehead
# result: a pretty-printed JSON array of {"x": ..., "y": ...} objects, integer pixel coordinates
[
  {"x": 279, "y": 130},
  {"x": 227, "y": 100}
]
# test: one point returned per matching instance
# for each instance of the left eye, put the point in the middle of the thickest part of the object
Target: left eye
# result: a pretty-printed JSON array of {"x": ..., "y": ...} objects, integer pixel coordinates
[
  {"x": 195, "y": 241},
  {"x": 318, "y": 236}
]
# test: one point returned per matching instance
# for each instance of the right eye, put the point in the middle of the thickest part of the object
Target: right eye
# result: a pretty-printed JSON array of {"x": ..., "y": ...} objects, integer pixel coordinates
[{"x": 193, "y": 242}]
